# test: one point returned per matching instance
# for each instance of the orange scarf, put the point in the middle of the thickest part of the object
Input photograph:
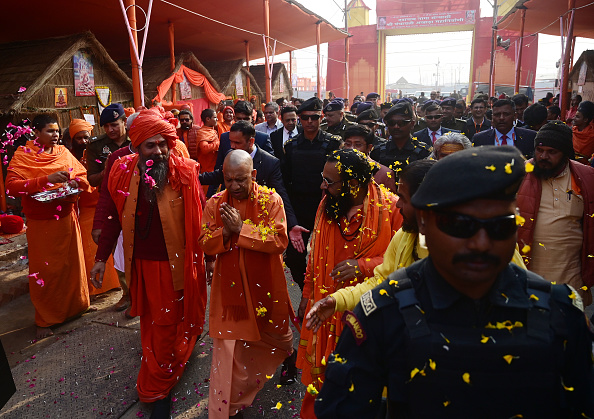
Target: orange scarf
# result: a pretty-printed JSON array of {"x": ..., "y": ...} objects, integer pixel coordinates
[
  {"x": 29, "y": 161},
  {"x": 183, "y": 174},
  {"x": 583, "y": 141},
  {"x": 373, "y": 240}
]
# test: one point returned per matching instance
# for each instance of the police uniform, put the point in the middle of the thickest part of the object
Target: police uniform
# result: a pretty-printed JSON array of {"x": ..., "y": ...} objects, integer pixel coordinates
[
  {"x": 396, "y": 158},
  {"x": 455, "y": 124},
  {"x": 301, "y": 166},
  {"x": 522, "y": 350},
  {"x": 338, "y": 129},
  {"x": 100, "y": 148}
]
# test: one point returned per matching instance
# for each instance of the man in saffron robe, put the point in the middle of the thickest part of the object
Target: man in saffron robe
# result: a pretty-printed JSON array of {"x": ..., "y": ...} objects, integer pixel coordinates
[
  {"x": 207, "y": 142},
  {"x": 224, "y": 124},
  {"x": 245, "y": 227},
  {"x": 155, "y": 202},
  {"x": 57, "y": 280},
  {"x": 354, "y": 225},
  {"x": 187, "y": 131}
]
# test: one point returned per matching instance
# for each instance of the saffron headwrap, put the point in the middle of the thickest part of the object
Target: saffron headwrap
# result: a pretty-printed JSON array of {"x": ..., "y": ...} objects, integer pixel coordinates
[
  {"x": 149, "y": 123},
  {"x": 78, "y": 125}
]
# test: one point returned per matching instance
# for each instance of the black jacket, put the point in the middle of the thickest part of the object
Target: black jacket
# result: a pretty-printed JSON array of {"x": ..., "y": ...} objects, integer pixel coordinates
[
  {"x": 276, "y": 138},
  {"x": 423, "y": 135},
  {"x": 268, "y": 174},
  {"x": 524, "y": 140}
]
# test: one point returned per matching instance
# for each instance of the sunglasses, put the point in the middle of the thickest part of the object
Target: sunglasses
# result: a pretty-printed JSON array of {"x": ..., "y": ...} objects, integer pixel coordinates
[
  {"x": 400, "y": 123},
  {"x": 431, "y": 117},
  {"x": 464, "y": 226},
  {"x": 314, "y": 117}
]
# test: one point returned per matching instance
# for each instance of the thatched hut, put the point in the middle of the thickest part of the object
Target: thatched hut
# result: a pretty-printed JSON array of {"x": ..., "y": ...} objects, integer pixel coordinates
[
  {"x": 281, "y": 82},
  {"x": 228, "y": 73},
  {"x": 39, "y": 77},
  {"x": 156, "y": 69},
  {"x": 581, "y": 78}
]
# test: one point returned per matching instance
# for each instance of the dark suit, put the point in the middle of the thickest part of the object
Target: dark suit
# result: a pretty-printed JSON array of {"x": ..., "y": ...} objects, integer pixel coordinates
[
  {"x": 276, "y": 138},
  {"x": 424, "y": 137},
  {"x": 262, "y": 141},
  {"x": 472, "y": 128},
  {"x": 268, "y": 173},
  {"x": 524, "y": 140}
]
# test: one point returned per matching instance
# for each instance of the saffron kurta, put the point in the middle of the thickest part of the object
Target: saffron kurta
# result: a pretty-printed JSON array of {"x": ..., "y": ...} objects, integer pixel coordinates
[
  {"x": 57, "y": 280},
  {"x": 370, "y": 231},
  {"x": 249, "y": 302},
  {"x": 207, "y": 148}
]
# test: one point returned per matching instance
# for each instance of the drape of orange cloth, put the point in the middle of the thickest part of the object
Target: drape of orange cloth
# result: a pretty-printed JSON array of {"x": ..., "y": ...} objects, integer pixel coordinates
[
  {"x": 194, "y": 77},
  {"x": 223, "y": 127},
  {"x": 183, "y": 175},
  {"x": 86, "y": 211},
  {"x": 583, "y": 141},
  {"x": 57, "y": 280},
  {"x": 372, "y": 229},
  {"x": 166, "y": 346},
  {"x": 249, "y": 291},
  {"x": 240, "y": 369},
  {"x": 207, "y": 148}
]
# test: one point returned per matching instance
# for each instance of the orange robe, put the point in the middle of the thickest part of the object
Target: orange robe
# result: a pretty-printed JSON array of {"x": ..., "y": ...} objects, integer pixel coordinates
[
  {"x": 86, "y": 213},
  {"x": 371, "y": 228},
  {"x": 249, "y": 302},
  {"x": 207, "y": 148},
  {"x": 583, "y": 141},
  {"x": 168, "y": 295},
  {"x": 222, "y": 126},
  {"x": 57, "y": 280}
]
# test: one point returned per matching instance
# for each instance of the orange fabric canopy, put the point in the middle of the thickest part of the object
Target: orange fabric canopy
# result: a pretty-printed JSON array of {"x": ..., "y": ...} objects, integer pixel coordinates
[{"x": 194, "y": 77}]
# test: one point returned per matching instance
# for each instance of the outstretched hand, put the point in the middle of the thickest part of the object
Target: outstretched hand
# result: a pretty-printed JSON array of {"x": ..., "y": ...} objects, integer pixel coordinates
[
  {"x": 296, "y": 237},
  {"x": 320, "y": 312}
]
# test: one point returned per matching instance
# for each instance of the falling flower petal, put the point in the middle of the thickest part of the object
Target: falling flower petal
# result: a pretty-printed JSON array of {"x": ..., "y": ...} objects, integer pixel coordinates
[
  {"x": 508, "y": 358},
  {"x": 520, "y": 220},
  {"x": 352, "y": 387},
  {"x": 466, "y": 377},
  {"x": 529, "y": 167},
  {"x": 525, "y": 249},
  {"x": 279, "y": 405},
  {"x": 491, "y": 168},
  {"x": 22, "y": 89}
]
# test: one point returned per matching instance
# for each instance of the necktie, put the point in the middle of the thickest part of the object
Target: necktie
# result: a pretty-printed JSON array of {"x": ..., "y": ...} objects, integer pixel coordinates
[
  {"x": 290, "y": 135},
  {"x": 504, "y": 139},
  {"x": 433, "y": 135}
]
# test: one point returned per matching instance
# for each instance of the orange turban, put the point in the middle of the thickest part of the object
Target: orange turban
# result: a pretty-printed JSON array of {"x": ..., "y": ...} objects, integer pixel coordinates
[
  {"x": 78, "y": 125},
  {"x": 149, "y": 123}
]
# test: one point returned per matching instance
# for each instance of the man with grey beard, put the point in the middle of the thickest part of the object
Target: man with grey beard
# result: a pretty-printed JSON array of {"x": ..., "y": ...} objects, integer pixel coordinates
[{"x": 155, "y": 201}]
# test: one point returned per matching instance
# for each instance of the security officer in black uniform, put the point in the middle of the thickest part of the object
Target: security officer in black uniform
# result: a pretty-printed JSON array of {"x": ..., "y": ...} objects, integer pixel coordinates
[
  {"x": 113, "y": 121},
  {"x": 369, "y": 118},
  {"x": 302, "y": 165},
  {"x": 464, "y": 333},
  {"x": 336, "y": 122},
  {"x": 448, "y": 106},
  {"x": 401, "y": 148}
]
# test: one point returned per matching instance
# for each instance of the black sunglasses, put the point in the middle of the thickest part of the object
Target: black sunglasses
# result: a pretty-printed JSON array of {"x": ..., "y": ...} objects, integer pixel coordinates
[
  {"x": 400, "y": 123},
  {"x": 430, "y": 117},
  {"x": 464, "y": 226},
  {"x": 314, "y": 117}
]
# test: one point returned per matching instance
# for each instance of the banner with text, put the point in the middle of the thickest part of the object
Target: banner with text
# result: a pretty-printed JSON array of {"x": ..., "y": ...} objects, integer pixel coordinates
[{"x": 462, "y": 17}]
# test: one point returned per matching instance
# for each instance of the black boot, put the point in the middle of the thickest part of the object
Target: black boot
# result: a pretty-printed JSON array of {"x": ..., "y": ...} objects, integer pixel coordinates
[
  {"x": 289, "y": 370},
  {"x": 162, "y": 408}
]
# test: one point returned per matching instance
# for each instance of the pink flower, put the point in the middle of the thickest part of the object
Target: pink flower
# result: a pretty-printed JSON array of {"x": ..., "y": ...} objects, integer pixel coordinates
[
  {"x": 98, "y": 161},
  {"x": 122, "y": 166},
  {"x": 22, "y": 89},
  {"x": 149, "y": 180},
  {"x": 149, "y": 163},
  {"x": 57, "y": 217},
  {"x": 123, "y": 193},
  {"x": 59, "y": 208},
  {"x": 40, "y": 282}
]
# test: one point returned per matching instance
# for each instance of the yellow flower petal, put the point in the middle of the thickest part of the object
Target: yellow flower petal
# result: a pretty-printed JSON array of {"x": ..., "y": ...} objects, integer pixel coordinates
[
  {"x": 432, "y": 364},
  {"x": 324, "y": 360},
  {"x": 508, "y": 358},
  {"x": 279, "y": 405},
  {"x": 268, "y": 376},
  {"x": 446, "y": 403},
  {"x": 508, "y": 168},
  {"x": 383, "y": 292},
  {"x": 534, "y": 297},
  {"x": 312, "y": 390},
  {"x": 352, "y": 387},
  {"x": 485, "y": 339},
  {"x": 529, "y": 167},
  {"x": 491, "y": 168},
  {"x": 525, "y": 249},
  {"x": 572, "y": 295},
  {"x": 520, "y": 220},
  {"x": 466, "y": 377},
  {"x": 393, "y": 282}
]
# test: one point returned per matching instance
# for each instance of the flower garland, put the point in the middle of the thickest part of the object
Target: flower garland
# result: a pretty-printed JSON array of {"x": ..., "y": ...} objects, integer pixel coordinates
[{"x": 99, "y": 97}]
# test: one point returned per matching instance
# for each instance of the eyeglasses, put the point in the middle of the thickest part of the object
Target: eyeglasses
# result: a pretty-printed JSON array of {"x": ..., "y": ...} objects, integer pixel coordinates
[
  {"x": 431, "y": 117},
  {"x": 368, "y": 124},
  {"x": 464, "y": 226},
  {"x": 400, "y": 123},
  {"x": 313, "y": 117},
  {"x": 326, "y": 181}
]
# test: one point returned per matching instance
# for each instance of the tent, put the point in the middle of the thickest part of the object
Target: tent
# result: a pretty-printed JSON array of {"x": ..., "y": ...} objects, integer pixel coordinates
[
  {"x": 281, "y": 83},
  {"x": 228, "y": 73}
]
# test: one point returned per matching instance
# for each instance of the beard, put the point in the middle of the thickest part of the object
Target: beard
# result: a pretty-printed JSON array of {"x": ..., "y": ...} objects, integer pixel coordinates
[
  {"x": 338, "y": 206},
  {"x": 409, "y": 226},
  {"x": 154, "y": 176},
  {"x": 548, "y": 172}
]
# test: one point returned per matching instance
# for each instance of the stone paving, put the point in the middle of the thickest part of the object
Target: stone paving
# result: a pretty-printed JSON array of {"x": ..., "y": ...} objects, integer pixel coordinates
[{"x": 88, "y": 369}]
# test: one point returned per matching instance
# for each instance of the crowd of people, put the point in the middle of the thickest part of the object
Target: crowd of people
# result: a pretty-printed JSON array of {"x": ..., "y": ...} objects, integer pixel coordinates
[{"x": 443, "y": 251}]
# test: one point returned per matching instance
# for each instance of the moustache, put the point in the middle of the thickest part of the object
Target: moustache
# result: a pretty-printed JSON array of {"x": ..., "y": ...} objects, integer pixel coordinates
[{"x": 476, "y": 258}]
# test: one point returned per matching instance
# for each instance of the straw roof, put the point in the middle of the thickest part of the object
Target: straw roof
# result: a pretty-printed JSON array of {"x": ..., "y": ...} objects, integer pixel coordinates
[
  {"x": 224, "y": 73},
  {"x": 259, "y": 73},
  {"x": 31, "y": 64},
  {"x": 157, "y": 69}
]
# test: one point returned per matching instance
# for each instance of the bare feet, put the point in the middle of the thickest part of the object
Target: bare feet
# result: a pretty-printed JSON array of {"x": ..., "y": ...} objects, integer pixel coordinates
[
  {"x": 90, "y": 309},
  {"x": 43, "y": 332}
]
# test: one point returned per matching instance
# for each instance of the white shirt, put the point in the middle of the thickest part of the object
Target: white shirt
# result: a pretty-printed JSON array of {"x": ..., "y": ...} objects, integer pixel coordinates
[
  {"x": 253, "y": 153},
  {"x": 510, "y": 137},
  {"x": 286, "y": 134},
  {"x": 437, "y": 133},
  {"x": 263, "y": 127}
]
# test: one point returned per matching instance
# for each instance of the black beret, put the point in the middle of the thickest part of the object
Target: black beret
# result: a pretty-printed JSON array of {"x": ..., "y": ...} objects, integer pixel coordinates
[
  {"x": 367, "y": 115},
  {"x": 557, "y": 135},
  {"x": 386, "y": 105},
  {"x": 311, "y": 104},
  {"x": 111, "y": 113},
  {"x": 372, "y": 95},
  {"x": 363, "y": 106},
  {"x": 487, "y": 172},
  {"x": 403, "y": 107},
  {"x": 334, "y": 105},
  {"x": 429, "y": 103},
  {"x": 450, "y": 101}
]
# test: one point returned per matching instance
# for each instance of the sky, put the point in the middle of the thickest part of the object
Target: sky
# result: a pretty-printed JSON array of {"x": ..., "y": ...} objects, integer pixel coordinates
[{"x": 414, "y": 57}]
